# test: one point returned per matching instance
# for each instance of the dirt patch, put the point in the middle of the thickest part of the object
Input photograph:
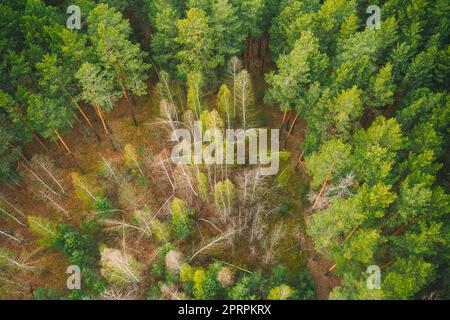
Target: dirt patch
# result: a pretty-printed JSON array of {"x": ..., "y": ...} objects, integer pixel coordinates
[{"x": 318, "y": 268}]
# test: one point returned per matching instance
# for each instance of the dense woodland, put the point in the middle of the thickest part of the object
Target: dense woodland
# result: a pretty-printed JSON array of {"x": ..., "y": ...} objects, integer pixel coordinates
[{"x": 86, "y": 175}]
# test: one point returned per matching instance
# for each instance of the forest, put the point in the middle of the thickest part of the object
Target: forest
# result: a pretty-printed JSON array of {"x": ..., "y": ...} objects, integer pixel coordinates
[{"x": 92, "y": 205}]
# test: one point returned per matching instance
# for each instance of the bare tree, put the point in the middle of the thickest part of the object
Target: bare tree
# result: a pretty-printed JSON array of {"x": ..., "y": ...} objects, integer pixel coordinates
[
  {"x": 341, "y": 190},
  {"x": 234, "y": 67},
  {"x": 185, "y": 178},
  {"x": 270, "y": 243},
  {"x": 127, "y": 293},
  {"x": 110, "y": 170},
  {"x": 10, "y": 215},
  {"x": 244, "y": 89},
  {"x": 173, "y": 261},
  {"x": 10, "y": 259},
  {"x": 119, "y": 268}
]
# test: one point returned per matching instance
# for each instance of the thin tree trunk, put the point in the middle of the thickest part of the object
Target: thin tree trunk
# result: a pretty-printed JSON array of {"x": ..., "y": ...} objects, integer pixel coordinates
[
  {"x": 320, "y": 194},
  {"x": 10, "y": 236},
  {"x": 300, "y": 159},
  {"x": 53, "y": 178},
  {"x": 265, "y": 53},
  {"x": 106, "y": 127},
  {"x": 10, "y": 204},
  {"x": 260, "y": 46},
  {"x": 387, "y": 264},
  {"x": 68, "y": 151},
  {"x": 263, "y": 64},
  {"x": 12, "y": 217},
  {"x": 88, "y": 122},
  {"x": 48, "y": 172},
  {"x": 42, "y": 181},
  {"x": 250, "y": 53},
  {"x": 210, "y": 244},
  {"x": 291, "y": 129},
  {"x": 55, "y": 204},
  {"x": 331, "y": 269},
  {"x": 39, "y": 140},
  {"x": 286, "y": 125},
  {"x": 282, "y": 122},
  {"x": 126, "y": 81},
  {"x": 124, "y": 92},
  {"x": 100, "y": 115}
]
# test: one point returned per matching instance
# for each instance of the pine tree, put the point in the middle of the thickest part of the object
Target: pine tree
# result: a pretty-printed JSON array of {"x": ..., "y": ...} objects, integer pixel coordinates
[{"x": 195, "y": 38}]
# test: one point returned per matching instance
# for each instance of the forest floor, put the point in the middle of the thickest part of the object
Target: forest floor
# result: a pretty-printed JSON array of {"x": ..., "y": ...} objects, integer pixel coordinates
[{"x": 295, "y": 253}]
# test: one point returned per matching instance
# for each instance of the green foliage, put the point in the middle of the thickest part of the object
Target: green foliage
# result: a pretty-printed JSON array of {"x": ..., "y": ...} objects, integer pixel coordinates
[
  {"x": 80, "y": 249},
  {"x": 303, "y": 66},
  {"x": 44, "y": 229},
  {"x": 181, "y": 219},
  {"x": 102, "y": 205},
  {"x": 375, "y": 103},
  {"x": 8, "y": 150},
  {"x": 227, "y": 29},
  {"x": 225, "y": 103},
  {"x": 305, "y": 287},
  {"x": 98, "y": 86},
  {"x": 375, "y": 150},
  {"x": 84, "y": 190},
  {"x": 163, "y": 43},
  {"x": 195, "y": 85},
  {"x": 186, "y": 276},
  {"x": 281, "y": 292},
  {"x": 225, "y": 194},
  {"x": 47, "y": 293},
  {"x": 203, "y": 186},
  {"x": 211, "y": 120},
  {"x": 248, "y": 287},
  {"x": 195, "y": 38},
  {"x": 381, "y": 89},
  {"x": 330, "y": 162},
  {"x": 206, "y": 286},
  {"x": 279, "y": 31},
  {"x": 406, "y": 277},
  {"x": 131, "y": 158},
  {"x": 119, "y": 268}
]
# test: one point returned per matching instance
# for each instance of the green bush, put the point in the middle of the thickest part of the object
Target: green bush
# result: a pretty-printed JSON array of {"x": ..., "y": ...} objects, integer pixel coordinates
[
  {"x": 305, "y": 287},
  {"x": 181, "y": 219},
  {"x": 102, "y": 204},
  {"x": 47, "y": 293}
]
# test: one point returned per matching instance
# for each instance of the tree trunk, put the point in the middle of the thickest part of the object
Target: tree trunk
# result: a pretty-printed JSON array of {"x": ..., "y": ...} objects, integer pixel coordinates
[
  {"x": 265, "y": 53},
  {"x": 36, "y": 136},
  {"x": 106, "y": 127},
  {"x": 263, "y": 62},
  {"x": 68, "y": 151},
  {"x": 260, "y": 46},
  {"x": 100, "y": 115},
  {"x": 88, "y": 122},
  {"x": 291, "y": 129},
  {"x": 286, "y": 126},
  {"x": 282, "y": 122},
  {"x": 126, "y": 81},
  {"x": 331, "y": 269},
  {"x": 124, "y": 92},
  {"x": 320, "y": 194},
  {"x": 300, "y": 160},
  {"x": 12, "y": 206}
]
